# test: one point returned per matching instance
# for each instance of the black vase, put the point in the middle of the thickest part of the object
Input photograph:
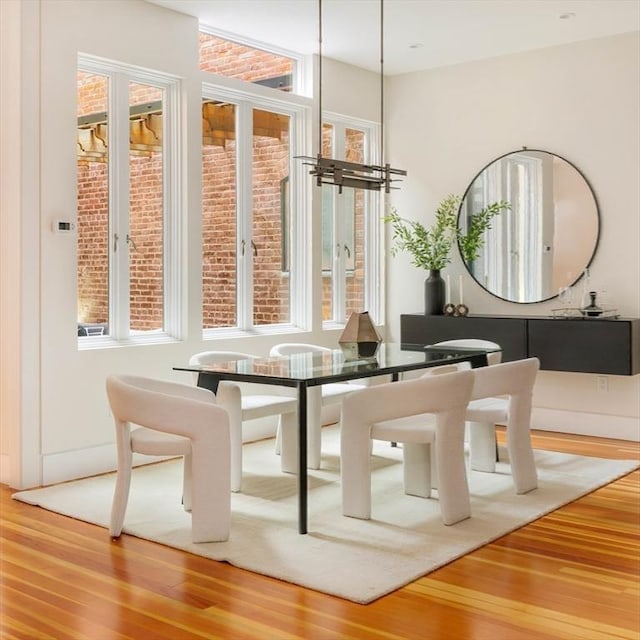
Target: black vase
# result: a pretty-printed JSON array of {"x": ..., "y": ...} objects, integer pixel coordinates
[{"x": 434, "y": 293}]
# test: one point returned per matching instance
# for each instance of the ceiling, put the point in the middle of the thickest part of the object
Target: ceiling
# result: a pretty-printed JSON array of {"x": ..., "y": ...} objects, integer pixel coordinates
[{"x": 418, "y": 34}]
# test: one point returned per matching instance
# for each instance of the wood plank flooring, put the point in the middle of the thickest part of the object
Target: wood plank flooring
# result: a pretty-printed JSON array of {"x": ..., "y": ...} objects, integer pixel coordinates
[{"x": 572, "y": 574}]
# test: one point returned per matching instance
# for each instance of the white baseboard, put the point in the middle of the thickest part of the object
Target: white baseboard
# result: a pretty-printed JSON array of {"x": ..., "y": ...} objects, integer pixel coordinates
[
  {"x": 81, "y": 463},
  {"x": 587, "y": 424}
]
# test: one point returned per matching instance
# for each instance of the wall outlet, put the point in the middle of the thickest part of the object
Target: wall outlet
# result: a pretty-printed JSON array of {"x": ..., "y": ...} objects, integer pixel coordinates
[{"x": 603, "y": 383}]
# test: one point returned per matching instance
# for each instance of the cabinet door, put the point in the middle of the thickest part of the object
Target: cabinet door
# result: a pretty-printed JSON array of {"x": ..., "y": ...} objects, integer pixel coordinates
[{"x": 588, "y": 346}]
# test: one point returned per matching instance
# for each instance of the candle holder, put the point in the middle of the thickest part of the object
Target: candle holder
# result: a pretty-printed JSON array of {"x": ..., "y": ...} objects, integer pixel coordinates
[{"x": 461, "y": 310}]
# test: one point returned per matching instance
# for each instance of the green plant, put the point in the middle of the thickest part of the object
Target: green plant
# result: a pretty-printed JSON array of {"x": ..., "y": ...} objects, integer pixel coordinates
[
  {"x": 471, "y": 242},
  {"x": 429, "y": 248}
]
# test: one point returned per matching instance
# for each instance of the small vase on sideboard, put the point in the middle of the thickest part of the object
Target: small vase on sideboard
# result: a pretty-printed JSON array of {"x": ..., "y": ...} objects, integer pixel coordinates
[{"x": 434, "y": 294}]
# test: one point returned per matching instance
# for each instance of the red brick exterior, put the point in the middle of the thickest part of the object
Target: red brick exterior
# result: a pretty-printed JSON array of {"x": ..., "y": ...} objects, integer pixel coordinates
[
  {"x": 145, "y": 220},
  {"x": 233, "y": 60},
  {"x": 270, "y": 167}
]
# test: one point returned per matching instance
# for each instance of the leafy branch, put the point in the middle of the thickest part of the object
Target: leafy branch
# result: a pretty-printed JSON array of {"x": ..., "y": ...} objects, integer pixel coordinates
[
  {"x": 471, "y": 242},
  {"x": 429, "y": 248}
]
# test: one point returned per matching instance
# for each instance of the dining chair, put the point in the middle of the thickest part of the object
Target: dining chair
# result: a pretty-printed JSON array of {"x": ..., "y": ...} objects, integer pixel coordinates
[
  {"x": 482, "y": 445},
  {"x": 502, "y": 394},
  {"x": 318, "y": 400},
  {"x": 174, "y": 420},
  {"x": 246, "y": 401},
  {"x": 422, "y": 414},
  {"x": 494, "y": 356}
]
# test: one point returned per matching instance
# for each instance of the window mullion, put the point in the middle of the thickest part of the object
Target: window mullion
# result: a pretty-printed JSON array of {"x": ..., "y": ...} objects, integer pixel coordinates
[
  {"x": 244, "y": 186},
  {"x": 119, "y": 205},
  {"x": 339, "y": 213},
  {"x": 173, "y": 298}
]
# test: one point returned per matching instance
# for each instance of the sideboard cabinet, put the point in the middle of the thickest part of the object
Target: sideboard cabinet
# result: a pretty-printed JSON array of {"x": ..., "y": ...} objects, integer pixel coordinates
[{"x": 586, "y": 345}]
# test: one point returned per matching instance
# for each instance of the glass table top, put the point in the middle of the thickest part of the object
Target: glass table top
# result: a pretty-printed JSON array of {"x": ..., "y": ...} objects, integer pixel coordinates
[{"x": 333, "y": 366}]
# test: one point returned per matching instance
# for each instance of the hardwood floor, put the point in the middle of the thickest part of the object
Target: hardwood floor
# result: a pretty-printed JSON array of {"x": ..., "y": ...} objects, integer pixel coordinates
[{"x": 571, "y": 574}]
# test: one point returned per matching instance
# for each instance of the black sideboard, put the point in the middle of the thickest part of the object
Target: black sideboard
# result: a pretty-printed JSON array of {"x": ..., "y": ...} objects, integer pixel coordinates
[{"x": 586, "y": 345}]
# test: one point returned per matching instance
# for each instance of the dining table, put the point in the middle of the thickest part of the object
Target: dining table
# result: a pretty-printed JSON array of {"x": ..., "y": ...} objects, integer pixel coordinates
[{"x": 318, "y": 368}]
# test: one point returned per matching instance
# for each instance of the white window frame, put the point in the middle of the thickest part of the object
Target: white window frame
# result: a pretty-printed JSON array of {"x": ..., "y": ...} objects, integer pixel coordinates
[
  {"x": 119, "y": 76},
  {"x": 373, "y": 201},
  {"x": 298, "y": 110}
]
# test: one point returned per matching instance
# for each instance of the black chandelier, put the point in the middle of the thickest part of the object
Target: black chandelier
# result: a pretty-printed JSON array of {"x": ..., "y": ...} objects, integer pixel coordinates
[{"x": 341, "y": 173}]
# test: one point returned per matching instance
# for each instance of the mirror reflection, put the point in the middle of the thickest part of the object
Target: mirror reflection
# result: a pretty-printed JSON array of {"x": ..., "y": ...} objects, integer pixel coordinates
[{"x": 547, "y": 239}]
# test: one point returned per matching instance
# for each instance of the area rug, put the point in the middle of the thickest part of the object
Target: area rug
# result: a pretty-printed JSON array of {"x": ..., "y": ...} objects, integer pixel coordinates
[{"x": 354, "y": 559}]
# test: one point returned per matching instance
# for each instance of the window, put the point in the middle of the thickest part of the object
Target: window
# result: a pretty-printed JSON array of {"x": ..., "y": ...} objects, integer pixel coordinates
[
  {"x": 251, "y": 271},
  {"x": 278, "y": 70},
  {"x": 128, "y": 215},
  {"x": 349, "y": 230}
]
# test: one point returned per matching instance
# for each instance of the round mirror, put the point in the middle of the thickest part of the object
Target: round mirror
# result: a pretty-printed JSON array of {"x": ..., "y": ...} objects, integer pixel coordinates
[{"x": 545, "y": 241}]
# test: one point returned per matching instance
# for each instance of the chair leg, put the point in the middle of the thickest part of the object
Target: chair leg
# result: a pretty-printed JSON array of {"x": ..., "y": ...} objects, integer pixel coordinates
[
  {"x": 355, "y": 469},
  {"x": 187, "y": 489},
  {"x": 229, "y": 397},
  {"x": 523, "y": 466},
  {"x": 314, "y": 427},
  {"x": 278, "y": 446},
  {"x": 236, "y": 457},
  {"x": 453, "y": 489},
  {"x": 482, "y": 446},
  {"x": 289, "y": 442},
  {"x": 211, "y": 495},
  {"x": 417, "y": 469},
  {"x": 288, "y": 430},
  {"x": 121, "y": 495}
]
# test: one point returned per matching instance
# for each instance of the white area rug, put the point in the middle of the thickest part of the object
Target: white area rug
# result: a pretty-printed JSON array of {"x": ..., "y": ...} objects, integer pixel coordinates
[{"x": 355, "y": 559}]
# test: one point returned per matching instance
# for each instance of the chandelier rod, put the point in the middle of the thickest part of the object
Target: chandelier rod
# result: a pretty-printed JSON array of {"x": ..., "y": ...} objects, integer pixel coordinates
[
  {"x": 381, "y": 82},
  {"x": 319, "y": 78}
]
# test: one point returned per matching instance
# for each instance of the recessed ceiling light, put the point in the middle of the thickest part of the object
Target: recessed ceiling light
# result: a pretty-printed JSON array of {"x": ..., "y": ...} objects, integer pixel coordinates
[
  {"x": 567, "y": 16},
  {"x": 417, "y": 45}
]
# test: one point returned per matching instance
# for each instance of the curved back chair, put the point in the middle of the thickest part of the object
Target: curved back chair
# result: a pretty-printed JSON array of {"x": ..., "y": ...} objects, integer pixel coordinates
[
  {"x": 174, "y": 419},
  {"x": 421, "y": 413},
  {"x": 245, "y": 401},
  {"x": 472, "y": 343},
  {"x": 502, "y": 394},
  {"x": 317, "y": 398}
]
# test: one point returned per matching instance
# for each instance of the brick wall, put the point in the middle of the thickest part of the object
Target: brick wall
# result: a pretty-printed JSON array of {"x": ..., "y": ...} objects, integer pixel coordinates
[
  {"x": 145, "y": 220},
  {"x": 233, "y": 60},
  {"x": 219, "y": 283},
  {"x": 93, "y": 213}
]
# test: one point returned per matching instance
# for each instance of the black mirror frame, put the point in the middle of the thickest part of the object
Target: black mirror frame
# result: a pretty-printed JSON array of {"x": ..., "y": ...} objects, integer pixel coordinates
[{"x": 595, "y": 200}]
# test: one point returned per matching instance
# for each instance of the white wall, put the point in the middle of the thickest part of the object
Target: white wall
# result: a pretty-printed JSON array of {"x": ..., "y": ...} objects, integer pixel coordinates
[
  {"x": 55, "y": 422},
  {"x": 581, "y": 101}
]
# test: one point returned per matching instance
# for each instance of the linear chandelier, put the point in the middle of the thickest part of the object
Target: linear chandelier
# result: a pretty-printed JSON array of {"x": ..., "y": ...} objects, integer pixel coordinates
[{"x": 341, "y": 173}]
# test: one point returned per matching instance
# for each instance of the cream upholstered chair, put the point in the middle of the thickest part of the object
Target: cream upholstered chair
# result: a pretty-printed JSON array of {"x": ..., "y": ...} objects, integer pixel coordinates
[
  {"x": 174, "y": 419},
  {"x": 495, "y": 357},
  {"x": 421, "y": 413},
  {"x": 483, "y": 445},
  {"x": 502, "y": 393},
  {"x": 245, "y": 401},
  {"x": 318, "y": 398}
]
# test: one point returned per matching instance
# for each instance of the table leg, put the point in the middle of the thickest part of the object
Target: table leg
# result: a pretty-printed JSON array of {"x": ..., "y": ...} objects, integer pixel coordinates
[
  {"x": 302, "y": 457},
  {"x": 479, "y": 360},
  {"x": 208, "y": 381},
  {"x": 394, "y": 378}
]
